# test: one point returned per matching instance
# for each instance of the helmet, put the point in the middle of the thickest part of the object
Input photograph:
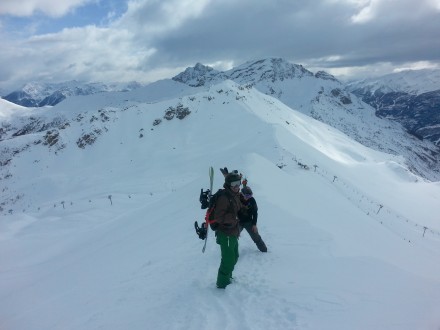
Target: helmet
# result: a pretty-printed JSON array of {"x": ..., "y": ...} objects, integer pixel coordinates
[
  {"x": 246, "y": 190},
  {"x": 232, "y": 177}
]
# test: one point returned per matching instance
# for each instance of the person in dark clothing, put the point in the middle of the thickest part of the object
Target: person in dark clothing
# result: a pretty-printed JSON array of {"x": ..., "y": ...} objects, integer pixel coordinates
[
  {"x": 226, "y": 210},
  {"x": 248, "y": 217}
]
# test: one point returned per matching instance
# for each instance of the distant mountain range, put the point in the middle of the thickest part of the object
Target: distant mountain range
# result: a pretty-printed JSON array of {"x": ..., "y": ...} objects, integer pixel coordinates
[
  {"x": 35, "y": 94},
  {"x": 411, "y": 98},
  {"x": 319, "y": 95}
]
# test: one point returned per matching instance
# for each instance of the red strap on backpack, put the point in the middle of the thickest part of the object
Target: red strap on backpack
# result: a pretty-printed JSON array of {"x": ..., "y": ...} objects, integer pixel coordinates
[{"x": 208, "y": 215}]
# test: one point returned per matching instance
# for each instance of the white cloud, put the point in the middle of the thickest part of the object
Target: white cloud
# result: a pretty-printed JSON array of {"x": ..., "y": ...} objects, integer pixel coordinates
[
  {"x": 158, "y": 17},
  {"x": 222, "y": 65},
  {"x": 154, "y": 39},
  {"x": 392, "y": 10},
  {"x": 89, "y": 53},
  {"x": 435, "y": 4},
  {"x": 366, "y": 14},
  {"x": 417, "y": 66},
  {"x": 53, "y": 8}
]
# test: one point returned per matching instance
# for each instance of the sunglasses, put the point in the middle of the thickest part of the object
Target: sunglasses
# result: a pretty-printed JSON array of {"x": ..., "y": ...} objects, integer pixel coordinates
[
  {"x": 235, "y": 183},
  {"x": 247, "y": 196}
]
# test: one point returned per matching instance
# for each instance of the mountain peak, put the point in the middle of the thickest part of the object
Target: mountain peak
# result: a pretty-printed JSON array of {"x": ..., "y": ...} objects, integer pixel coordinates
[
  {"x": 326, "y": 76},
  {"x": 251, "y": 72},
  {"x": 273, "y": 69},
  {"x": 197, "y": 75}
]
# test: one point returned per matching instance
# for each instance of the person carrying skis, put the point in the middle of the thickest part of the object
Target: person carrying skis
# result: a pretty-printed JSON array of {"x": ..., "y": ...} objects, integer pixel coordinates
[
  {"x": 248, "y": 217},
  {"x": 226, "y": 211}
]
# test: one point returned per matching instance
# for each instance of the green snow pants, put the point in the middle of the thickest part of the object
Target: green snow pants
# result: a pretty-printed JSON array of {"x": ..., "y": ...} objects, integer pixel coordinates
[{"x": 229, "y": 250}]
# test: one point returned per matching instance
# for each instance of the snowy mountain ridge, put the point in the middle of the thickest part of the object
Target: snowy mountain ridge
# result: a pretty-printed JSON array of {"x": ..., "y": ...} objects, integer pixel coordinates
[
  {"x": 393, "y": 97},
  {"x": 251, "y": 72},
  {"x": 319, "y": 95},
  {"x": 326, "y": 99}
]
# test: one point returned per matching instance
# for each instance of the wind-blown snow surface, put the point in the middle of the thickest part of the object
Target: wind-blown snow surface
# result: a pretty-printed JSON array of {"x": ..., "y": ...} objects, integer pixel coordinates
[
  {"x": 106, "y": 238},
  {"x": 7, "y": 109}
]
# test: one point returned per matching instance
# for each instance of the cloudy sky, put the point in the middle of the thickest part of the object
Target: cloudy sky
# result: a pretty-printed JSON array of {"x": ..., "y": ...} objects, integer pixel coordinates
[{"x": 146, "y": 40}]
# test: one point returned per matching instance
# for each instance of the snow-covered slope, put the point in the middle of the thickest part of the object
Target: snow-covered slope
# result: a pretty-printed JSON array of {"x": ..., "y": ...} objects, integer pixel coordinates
[
  {"x": 324, "y": 98},
  {"x": 8, "y": 108},
  {"x": 97, "y": 228}
]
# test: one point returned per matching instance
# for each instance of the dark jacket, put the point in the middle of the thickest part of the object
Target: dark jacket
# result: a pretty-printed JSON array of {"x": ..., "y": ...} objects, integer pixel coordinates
[
  {"x": 249, "y": 213},
  {"x": 227, "y": 207}
]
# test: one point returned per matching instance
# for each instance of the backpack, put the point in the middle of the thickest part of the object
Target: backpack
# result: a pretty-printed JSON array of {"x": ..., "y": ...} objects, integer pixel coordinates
[{"x": 209, "y": 217}]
